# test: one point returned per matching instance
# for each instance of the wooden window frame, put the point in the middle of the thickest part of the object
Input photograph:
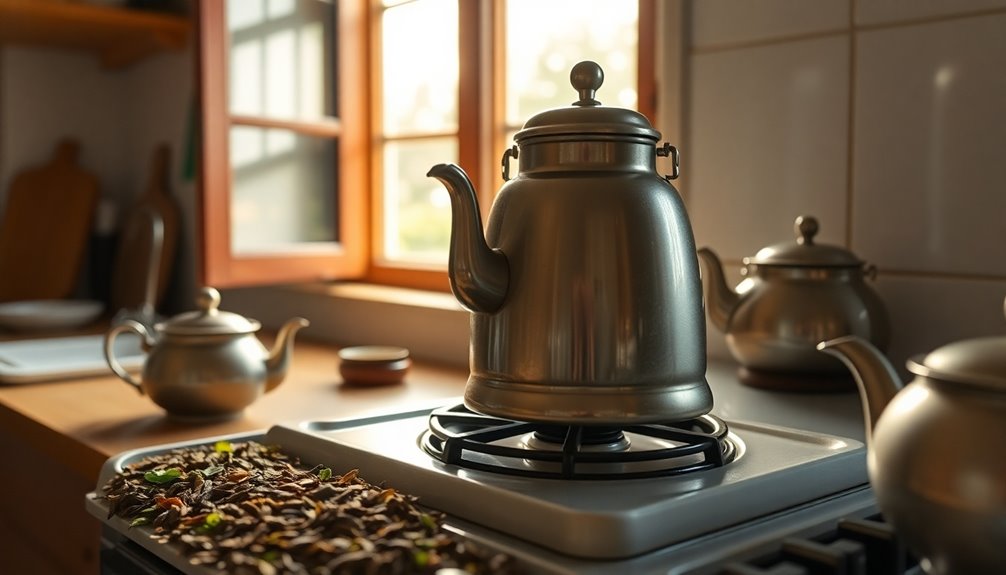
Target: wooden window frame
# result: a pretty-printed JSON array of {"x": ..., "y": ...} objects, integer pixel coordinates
[
  {"x": 220, "y": 266},
  {"x": 481, "y": 131}
]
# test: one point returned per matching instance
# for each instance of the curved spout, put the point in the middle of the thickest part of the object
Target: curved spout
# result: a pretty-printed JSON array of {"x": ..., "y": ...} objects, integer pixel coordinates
[
  {"x": 721, "y": 300},
  {"x": 278, "y": 362},
  {"x": 876, "y": 378},
  {"x": 479, "y": 274}
]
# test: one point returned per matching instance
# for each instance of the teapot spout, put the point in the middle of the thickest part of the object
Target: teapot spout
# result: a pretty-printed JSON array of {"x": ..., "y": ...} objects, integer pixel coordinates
[
  {"x": 721, "y": 300},
  {"x": 876, "y": 378},
  {"x": 479, "y": 275},
  {"x": 278, "y": 362}
]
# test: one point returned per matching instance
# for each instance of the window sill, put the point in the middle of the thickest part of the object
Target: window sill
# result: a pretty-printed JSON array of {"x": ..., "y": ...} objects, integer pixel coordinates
[{"x": 432, "y": 325}]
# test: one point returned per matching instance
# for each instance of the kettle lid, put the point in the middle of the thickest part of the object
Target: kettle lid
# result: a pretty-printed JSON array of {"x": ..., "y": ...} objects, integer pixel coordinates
[
  {"x": 979, "y": 362},
  {"x": 208, "y": 319},
  {"x": 805, "y": 252},
  {"x": 587, "y": 116}
]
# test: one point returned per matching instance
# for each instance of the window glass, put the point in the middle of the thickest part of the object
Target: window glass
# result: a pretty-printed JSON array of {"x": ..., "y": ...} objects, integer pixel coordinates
[
  {"x": 417, "y": 209},
  {"x": 544, "y": 40},
  {"x": 282, "y": 55},
  {"x": 282, "y": 191}
]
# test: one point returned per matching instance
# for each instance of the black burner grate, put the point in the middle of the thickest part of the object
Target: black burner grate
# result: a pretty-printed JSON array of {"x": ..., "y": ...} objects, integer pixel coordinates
[{"x": 459, "y": 436}]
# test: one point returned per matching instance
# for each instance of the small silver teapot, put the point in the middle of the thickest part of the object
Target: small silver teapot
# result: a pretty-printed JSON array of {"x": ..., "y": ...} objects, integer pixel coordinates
[
  {"x": 794, "y": 295},
  {"x": 206, "y": 363},
  {"x": 585, "y": 291},
  {"x": 937, "y": 449}
]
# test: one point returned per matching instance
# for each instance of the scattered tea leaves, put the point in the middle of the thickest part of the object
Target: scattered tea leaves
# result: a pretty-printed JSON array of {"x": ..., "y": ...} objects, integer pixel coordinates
[{"x": 246, "y": 508}]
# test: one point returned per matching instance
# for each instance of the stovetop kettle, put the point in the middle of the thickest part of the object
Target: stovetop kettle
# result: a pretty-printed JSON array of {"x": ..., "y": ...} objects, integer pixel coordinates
[{"x": 585, "y": 290}]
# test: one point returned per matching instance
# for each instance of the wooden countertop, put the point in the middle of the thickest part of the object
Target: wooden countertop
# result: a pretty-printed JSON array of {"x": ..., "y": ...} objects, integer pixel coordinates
[{"x": 81, "y": 423}]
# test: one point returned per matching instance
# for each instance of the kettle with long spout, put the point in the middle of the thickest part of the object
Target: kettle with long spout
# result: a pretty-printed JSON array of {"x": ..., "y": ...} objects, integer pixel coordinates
[
  {"x": 794, "y": 294},
  {"x": 584, "y": 287},
  {"x": 936, "y": 449}
]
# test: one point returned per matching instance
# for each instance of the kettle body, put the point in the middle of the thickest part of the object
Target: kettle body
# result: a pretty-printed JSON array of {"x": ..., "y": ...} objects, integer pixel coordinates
[{"x": 586, "y": 300}]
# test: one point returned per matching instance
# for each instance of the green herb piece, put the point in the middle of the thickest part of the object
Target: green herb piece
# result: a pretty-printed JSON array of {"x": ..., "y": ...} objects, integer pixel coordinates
[
  {"x": 324, "y": 474},
  {"x": 162, "y": 476},
  {"x": 211, "y": 470},
  {"x": 420, "y": 558},
  {"x": 223, "y": 447},
  {"x": 270, "y": 555},
  {"x": 209, "y": 522},
  {"x": 139, "y": 521},
  {"x": 428, "y": 521}
]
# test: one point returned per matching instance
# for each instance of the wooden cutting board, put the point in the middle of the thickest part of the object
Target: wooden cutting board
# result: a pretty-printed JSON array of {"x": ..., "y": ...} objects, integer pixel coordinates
[
  {"x": 45, "y": 228},
  {"x": 129, "y": 278}
]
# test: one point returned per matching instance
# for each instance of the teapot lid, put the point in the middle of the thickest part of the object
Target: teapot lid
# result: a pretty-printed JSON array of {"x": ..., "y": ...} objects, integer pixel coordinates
[
  {"x": 587, "y": 116},
  {"x": 980, "y": 362},
  {"x": 208, "y": 319},
  {"x": 805, "y": 252}
]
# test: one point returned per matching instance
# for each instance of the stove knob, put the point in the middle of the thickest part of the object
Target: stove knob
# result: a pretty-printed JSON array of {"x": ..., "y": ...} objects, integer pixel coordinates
[
  {"x": 839, "y": 557},
  {"x": 885, "y": 553},
  {"x": 782, "y": 568}
]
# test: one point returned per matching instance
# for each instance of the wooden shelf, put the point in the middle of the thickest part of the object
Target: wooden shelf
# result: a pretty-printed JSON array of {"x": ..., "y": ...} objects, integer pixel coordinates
[{"x": 119, "y": 37}]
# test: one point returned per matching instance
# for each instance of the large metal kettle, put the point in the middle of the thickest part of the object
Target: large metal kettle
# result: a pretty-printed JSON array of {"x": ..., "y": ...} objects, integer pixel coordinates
[
  {"x": 585, "y": 291},
  {"x": 936, "y": 449}
]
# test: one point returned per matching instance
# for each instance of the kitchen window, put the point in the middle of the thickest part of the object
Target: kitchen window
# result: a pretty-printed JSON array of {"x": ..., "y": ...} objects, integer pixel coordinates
[{"x": 321, "y": 118}]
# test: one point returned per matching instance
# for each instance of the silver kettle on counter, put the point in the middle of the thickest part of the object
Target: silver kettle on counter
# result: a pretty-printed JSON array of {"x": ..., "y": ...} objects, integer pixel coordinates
[
  {"x": 937, "y": 449},
  {"x": 585, "y": 290},
  {"x": 794, "y": 295}
]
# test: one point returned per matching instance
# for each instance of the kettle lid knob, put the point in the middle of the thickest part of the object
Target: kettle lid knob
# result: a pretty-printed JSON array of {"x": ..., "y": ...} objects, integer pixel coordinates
[
  {"x": 208, "y": 300},
  {"x": 806, "y": 227},
  {"x": 586, "y": 77}
]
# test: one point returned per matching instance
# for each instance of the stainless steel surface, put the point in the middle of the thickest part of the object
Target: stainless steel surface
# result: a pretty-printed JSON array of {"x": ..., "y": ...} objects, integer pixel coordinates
[
  {"x": 585, "y": 292},
  {"x": 936, "y": 450},
  {"x": 206, "y": 364},
  {"x": 794, "y": 296}
]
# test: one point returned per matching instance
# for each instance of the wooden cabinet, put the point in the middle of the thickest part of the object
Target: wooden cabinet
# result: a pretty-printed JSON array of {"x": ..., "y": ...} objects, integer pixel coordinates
[{"x": 119, "y": 37}]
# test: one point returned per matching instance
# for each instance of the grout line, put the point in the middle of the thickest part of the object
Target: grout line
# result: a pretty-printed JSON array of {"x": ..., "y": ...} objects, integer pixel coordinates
[
  {"x": 851, "y": 131},
  {"x": 738, "y": 45}
]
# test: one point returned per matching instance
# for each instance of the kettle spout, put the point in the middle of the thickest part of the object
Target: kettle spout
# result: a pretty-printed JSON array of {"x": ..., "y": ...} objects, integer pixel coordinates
[
  {"x": 479, "y": 274},
  {"x": 876, "y": 378},
  {"x": 721, "y": 300},
  {"x": 278, "y": 362}
]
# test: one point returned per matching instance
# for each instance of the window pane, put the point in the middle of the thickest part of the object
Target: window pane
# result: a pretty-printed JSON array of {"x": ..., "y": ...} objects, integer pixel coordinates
[
  {"x": 417, "y": 209},
  {"x": 282, "y": 58},
  {"x": 420, "y": 67},
  {"x": 544, "y": 40},
  {"x": 284, "y": 190}
]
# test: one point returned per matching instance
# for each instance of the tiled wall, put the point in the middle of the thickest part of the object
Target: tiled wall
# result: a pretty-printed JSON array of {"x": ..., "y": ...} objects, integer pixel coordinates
[{"x": 885, "y": 119}]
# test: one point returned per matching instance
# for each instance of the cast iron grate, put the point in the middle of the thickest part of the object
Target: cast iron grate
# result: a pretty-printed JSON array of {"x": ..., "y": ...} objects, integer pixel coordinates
[{"x": 459, "y": 436}]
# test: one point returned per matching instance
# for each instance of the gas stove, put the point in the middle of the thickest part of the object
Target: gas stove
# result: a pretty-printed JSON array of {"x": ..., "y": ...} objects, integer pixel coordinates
[{"x": 722, "y": 493}]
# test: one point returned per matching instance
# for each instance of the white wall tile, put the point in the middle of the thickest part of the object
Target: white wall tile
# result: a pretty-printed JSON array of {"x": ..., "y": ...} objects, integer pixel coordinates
[
  {"x": 884, "y": 11},
  {"x": 716, "y": 22},
  {"x": 930, "y": 139},
  {"x": 927, "y": 313},
  {"x": 768, "y": 137}
]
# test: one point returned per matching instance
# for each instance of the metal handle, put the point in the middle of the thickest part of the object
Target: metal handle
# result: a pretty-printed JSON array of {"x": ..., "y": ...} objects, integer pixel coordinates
[
  {"x": 668, "y": 150},
  {"x": 510, "y": 153},
  {"x": 127, "y": 325}
]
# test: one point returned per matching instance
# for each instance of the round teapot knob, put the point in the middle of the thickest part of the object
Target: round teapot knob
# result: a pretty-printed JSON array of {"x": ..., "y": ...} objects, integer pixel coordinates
[
  {"x": 208, "y": 300},
  {"x": 806, "y": 228},
  {"x": 586, "y": 77}
]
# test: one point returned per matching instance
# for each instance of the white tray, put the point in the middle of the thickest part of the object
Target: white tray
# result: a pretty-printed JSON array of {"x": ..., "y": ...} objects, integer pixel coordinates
[{"x": 49, "y": 359}]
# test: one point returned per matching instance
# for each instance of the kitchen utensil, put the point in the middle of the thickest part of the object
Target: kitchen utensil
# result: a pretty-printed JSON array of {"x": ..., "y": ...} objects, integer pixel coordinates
[
  {"x": 936, "y": 448},
  {"x": 46, "y": 223},
  {"x": 795, "y": 295},
  {"x": 55, "y": 358},
  {"x": 206, "y": 363},
  {"x": 49, "y": 314},
  {"x": 374, "y": 364},
  {"x": 585, "y": 292},
  {"x": 143, "y": 264}
]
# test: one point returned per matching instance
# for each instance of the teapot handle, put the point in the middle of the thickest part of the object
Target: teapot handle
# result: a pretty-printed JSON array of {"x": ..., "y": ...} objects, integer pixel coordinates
[
  {"x": 505, "y": 163},
  {"x": 128, "y": 325},
  {"x": 667, "y": 150}
]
